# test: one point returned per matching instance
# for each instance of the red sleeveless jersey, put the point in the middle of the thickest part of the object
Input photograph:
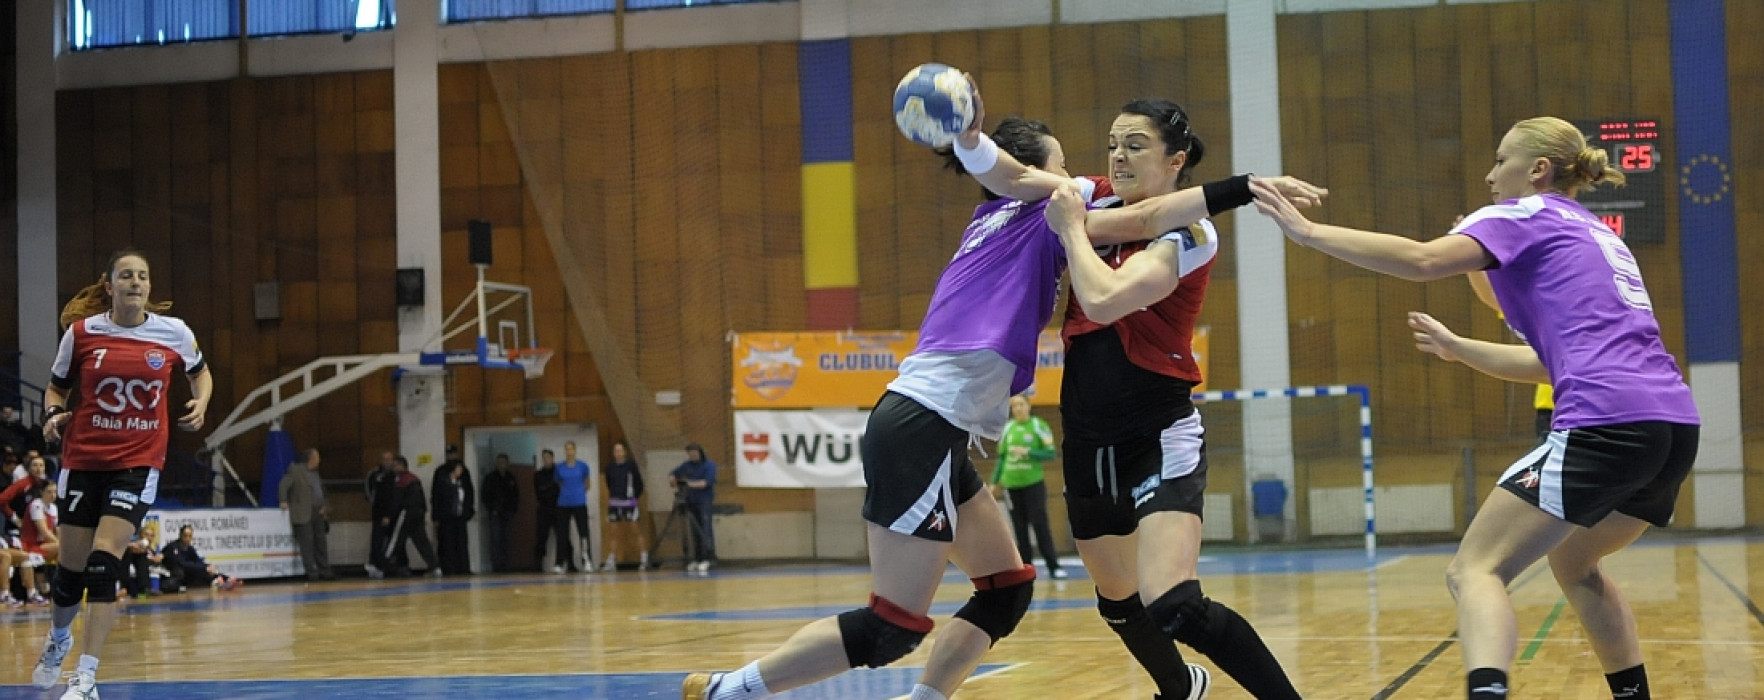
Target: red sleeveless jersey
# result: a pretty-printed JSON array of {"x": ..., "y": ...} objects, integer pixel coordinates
[
  {"x": 121, "y": 420},
  {"x": 1160, "y": 337}
]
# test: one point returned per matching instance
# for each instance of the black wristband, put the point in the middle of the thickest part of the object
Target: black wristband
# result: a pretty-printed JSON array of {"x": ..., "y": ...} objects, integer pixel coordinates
[
  {"x": 1227, "y": 194},
  {"x": 53, "y": 411}
]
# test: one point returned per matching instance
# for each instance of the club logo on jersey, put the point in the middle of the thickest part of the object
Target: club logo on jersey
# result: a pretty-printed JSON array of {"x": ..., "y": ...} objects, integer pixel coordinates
[
  {"x": 936, "y": 523},
  {"x": 756, "y": 447},
  {"x": 1529, "y": 479},
  {"x": 771, "y": 368},
  {"x": 156, "y": 359}
]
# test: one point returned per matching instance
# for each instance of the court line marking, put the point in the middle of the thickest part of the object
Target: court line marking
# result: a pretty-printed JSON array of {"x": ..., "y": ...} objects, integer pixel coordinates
[
  {"x": 1746, "y": 599},
  {"x": 984, "y": 674},
  {"x": 1543, "y": 631},
  {"x": 1421, "y": 665}
]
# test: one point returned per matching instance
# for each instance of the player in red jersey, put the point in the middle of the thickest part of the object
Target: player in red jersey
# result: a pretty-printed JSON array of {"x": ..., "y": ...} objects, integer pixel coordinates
[
  {"x": 1135, "y": 456},
  {"x": 115, "y": 363}
]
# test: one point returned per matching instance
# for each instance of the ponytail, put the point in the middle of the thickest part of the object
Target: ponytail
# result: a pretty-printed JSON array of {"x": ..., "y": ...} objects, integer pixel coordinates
[
  {"x": 1576, "y": 165},
  {"x": 94, "y": 300}
]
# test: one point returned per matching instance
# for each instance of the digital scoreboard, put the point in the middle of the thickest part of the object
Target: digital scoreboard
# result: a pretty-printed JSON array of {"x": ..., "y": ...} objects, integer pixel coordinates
[{"x": 1636, "y": 211}]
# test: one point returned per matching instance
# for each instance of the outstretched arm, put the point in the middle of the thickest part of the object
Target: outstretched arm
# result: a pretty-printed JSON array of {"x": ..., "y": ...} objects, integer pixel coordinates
[
  {"x": 1409, "y": 259},
  {"x": 1167, "y": 212},
  {"x": 995, "y": 169},
  {"x": 1514, "y": 363}
]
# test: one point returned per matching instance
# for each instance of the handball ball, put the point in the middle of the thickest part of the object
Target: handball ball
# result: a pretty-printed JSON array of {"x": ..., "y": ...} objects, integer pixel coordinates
[{"x": 933, "y": 104}]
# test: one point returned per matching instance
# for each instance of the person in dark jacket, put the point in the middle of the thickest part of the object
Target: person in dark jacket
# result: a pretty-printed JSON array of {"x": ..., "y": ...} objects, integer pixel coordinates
[
  {"x": 450, "y": 503},
  {"x": 408, "y": 525},
  {"x": 502, "y": 497},
  {"x": 545, "y": 490},
  {"x": 381, "y": 482},
  {"x": 697, "y": 477},
  {"x": 196, "y": 570},
  {"x": 624, "y": 488}
]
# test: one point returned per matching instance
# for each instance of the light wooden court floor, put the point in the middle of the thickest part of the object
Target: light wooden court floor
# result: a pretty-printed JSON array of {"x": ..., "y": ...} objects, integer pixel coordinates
[{"x": 1344, "y": 628}]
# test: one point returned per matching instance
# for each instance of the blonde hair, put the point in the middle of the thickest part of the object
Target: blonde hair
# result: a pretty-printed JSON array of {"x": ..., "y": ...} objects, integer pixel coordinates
[
  {"x": 1575, "y": 165},
  {"x": 94, "y": 300}
]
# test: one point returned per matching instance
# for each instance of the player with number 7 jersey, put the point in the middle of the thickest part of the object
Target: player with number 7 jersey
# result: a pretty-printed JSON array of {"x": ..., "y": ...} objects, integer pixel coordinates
[
  {"x": 124, "y": 374},
  {"x": 114, "y": 367}
]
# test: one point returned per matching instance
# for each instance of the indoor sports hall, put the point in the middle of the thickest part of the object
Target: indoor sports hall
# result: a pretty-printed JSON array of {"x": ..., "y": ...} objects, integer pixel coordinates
[{"x": 688, "y": 244}]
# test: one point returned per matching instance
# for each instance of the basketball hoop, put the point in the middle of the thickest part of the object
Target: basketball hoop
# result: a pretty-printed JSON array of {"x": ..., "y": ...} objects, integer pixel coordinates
[{"x": 531, "y": 360}]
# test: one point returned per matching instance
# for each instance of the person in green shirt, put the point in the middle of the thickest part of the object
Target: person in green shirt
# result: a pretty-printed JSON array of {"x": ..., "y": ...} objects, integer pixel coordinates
[{"x": 1027, "y": 442}]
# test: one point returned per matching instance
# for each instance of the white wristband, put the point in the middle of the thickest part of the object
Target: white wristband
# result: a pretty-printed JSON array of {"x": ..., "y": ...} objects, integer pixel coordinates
[{"x": 981, "y": 159}]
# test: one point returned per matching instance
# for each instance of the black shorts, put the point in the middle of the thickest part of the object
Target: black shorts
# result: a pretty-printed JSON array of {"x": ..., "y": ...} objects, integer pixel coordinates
[
  {"x": 621, "y": 514},
  {"x": 1109, "y": 488},
  {"x": 917, "y": 468},
  {"x": 1582, "y": 474},
  {"x": 87, "y": 496}
]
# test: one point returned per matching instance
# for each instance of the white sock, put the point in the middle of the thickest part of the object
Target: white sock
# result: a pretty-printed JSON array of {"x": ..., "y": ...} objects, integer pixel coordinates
[
  {"x": 744, "y": 684},
  {"x": 925, "y": 692},
  {"x": 61, "y": 634},
  {"x": 88, "y": 664}
]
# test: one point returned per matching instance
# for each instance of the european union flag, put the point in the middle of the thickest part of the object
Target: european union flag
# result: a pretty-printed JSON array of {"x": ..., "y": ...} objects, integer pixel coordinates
[{"x": 1706, "y": 237}]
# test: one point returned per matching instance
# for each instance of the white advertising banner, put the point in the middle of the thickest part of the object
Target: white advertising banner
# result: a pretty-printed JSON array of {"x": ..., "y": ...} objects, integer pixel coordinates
[
  {"x": 243, "y": 542},
  {"x": 799, "y": 449}
]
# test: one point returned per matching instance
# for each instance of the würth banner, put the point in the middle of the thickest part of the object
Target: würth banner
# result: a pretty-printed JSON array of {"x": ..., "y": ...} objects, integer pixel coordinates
[{"x": 799, "y": 449}]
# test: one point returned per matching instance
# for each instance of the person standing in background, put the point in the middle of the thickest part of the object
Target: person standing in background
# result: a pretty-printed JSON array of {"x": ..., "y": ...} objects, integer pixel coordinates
[
  {"x": 302, "y": 495},
  {"x": 624, "y": 488},
  {"x": 1026, "y": 443},
  {"x": 502, "y": 497},
  {"x": 378, "y": 487},
  {"x": 698, "y": 477},
  {"x": 450, "y": 504},
  {"x": 572, "y": 507},
  {"x": 545, "y": 492}
]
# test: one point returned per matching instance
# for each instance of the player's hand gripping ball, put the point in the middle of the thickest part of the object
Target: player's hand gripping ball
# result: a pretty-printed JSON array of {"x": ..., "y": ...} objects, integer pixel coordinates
[{"x": 933, "y": 104}]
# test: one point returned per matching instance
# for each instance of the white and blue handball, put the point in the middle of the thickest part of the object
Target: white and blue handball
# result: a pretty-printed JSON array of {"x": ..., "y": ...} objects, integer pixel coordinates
[{"x": 933, "y": 104}]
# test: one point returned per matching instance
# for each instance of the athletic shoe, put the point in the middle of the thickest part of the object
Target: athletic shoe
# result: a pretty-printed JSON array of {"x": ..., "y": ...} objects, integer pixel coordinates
[
  {"x": 1200, "y": 681},
  {"x": 435, "y": 572},
  {"x": 557, "y": 569},
  {"x": 373, "y": 571},
  {"x": 7, "y": 600},
  {"x": 37, "y": 599},
  {"x": 48, "y": 670},
  {"x": 1058, "y": 574},
  {"x": 82, "y": 685},
  {"x": 697, "y": 686}
]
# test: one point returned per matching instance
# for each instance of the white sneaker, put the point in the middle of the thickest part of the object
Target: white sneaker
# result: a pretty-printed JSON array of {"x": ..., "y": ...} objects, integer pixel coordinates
[
  {"x": 611, "y": 564},
  {"x": 557, "y": 569},
  {"x": 81, "y": 686},
  {"x": 373, "y": 571},
  {"x": 48, "y": 670},
  {"x": 436, "y": 572},
  {"x": 1200, "y": 681}
]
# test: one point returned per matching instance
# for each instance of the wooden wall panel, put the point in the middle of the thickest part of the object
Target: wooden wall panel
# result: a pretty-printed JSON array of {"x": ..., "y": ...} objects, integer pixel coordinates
[
  {"x": 677, "y": 196},
  {"x": 1746, "y": 75}
]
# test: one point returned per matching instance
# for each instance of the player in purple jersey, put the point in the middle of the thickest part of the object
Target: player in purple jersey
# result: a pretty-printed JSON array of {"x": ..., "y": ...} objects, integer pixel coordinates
[
  {"x": 976, "y": 349},
  {"x": 1624, "y": 434}
]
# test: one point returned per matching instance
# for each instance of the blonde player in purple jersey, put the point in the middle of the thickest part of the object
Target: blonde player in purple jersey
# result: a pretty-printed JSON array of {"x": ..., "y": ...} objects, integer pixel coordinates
[{"x": 1624, "y": 434}]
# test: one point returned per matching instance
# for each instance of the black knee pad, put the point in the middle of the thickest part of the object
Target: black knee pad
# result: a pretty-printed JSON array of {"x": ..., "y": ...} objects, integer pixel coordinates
[
  {"x": 1000, "y": 601},
  {"x": 1190, "y": 617},
  {"x": 1120, "y": 613},
  {"x": 67, "y": 587},
  {"x": 102, "y": 570},
  {"x": 881, "y": 633}
]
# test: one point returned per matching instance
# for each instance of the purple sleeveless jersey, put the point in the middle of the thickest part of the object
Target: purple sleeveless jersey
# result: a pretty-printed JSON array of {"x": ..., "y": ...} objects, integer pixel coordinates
[
  {"x": 999, "y": 290},
  {"x": 1572, "y": 290}
]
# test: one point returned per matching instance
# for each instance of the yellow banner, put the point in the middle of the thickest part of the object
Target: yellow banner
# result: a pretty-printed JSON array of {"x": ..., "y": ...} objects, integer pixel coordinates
[{"x": 852, "y": 369}]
